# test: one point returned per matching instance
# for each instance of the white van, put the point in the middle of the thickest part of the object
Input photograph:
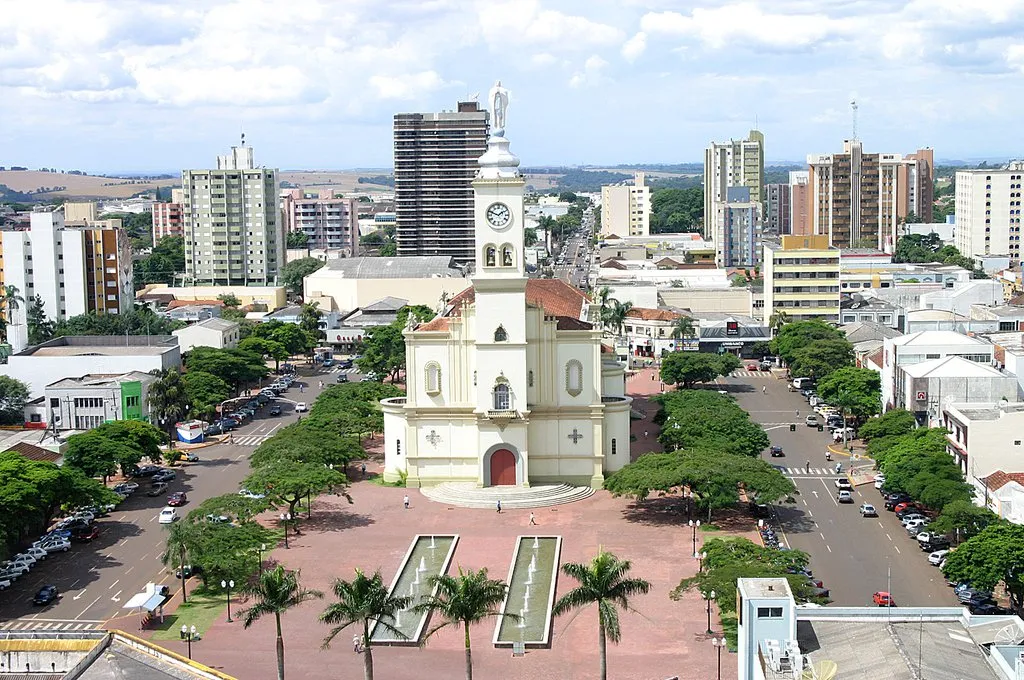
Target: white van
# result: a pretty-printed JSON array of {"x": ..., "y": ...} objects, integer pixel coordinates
[{"x": 802, "y": 383}]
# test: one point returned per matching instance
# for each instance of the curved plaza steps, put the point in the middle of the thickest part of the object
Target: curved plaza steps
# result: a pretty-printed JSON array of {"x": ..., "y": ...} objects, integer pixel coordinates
[{"x": 469, "y": 495}]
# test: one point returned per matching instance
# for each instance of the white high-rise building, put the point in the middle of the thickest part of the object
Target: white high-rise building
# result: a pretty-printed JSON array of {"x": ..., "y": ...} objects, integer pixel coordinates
[
  {"x": 736, "y": 163},
  {"x": 988, "y": 211},
  {"x": 626, "y": 208},
  {"x": 232, "y": 223}
]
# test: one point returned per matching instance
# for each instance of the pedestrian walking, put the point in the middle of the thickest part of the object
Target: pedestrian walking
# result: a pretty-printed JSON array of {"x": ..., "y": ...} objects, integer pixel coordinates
[
  {"x": 808, "y": 467},
  {"x": 231, "y": 438},
  {"x": 533, "y": 520},
  {"x": 645, "y": 433},
  {"x": 357, "y": 643},
  {"x": 321, "y": 384},
  {"x": 405, "y": 502},
  {"x": 362, "y": 469},
  {"x": 499, "y": 506},
  {"x": 764, "y": 389}
]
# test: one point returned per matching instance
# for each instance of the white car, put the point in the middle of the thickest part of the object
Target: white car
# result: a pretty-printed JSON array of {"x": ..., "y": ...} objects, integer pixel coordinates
[
  {"x": 912, "y": 517},
  {"x": 879, "y": 481},
  {"x": 10, "y": 571},
  {"x": 37, "y": 553},
  {"x": 25, "y": 557},
  {"x": 4, "y": 584},
  {"x": 53, "y": 545},
  {"x": 245, "y": 493},
  {"x": 936, "y": 558},
  {"x": 168, "y": 515},
  {"x": 300, "y": 407}
]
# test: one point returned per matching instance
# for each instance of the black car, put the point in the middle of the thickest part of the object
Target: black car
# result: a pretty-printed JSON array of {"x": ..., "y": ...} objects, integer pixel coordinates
[
  {"x": 759, "y": 509},
  {"x": 987, "y": 609},
  {"x": 275, "y": 410},
  {"x": 47, "y": 595},
  {"x": 147, "y": 471},
  {"x": 936, "y": 543},
  {"x": 190, "y": 570},
  {"x": 342, "y": 378},
  {"x": 777, "y": 451}
]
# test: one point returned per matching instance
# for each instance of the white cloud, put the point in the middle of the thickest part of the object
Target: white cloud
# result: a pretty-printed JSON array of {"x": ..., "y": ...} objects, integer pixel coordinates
[
  {"x": 634, "y": 47},
  {"x": 542, "y": 59},
  {"x": 406, "y": 86},
  {"x": 1015, "y": 56},
  {"x": 507, "y": 24},
  {"x": 590, "y": 74}
]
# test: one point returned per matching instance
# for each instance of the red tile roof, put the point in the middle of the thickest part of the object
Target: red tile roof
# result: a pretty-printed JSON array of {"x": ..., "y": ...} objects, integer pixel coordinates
[
  {"x": 649, "y": 314},
  {"x": 556, "y": 297},
  {"x": 33, "y": 452},
  {"x": 999, "y": 479},
  {"x": 174, "y": 304}
]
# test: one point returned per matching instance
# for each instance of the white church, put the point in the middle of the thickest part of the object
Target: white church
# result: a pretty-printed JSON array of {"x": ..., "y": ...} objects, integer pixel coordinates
[{"x": 509, "y": 385}]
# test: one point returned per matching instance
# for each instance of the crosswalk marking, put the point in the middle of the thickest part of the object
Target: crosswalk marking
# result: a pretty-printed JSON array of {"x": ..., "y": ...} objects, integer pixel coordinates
[
  {"x": 751, "y": 374},
  {"x": 251, "y": 439},
  {"x": 337, "y": 369},
  {"x": 49, "y": 627},
  {"x": 792, "y": 471}
]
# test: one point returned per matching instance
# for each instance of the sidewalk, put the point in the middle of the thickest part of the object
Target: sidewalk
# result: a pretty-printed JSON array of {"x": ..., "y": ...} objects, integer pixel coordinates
[{"x": 643, "y": 385}]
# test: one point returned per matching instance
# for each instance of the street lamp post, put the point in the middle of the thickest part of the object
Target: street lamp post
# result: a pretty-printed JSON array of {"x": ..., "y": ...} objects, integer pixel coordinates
[
  {"x": 285, "y": 518},
  {"x": 259, "y": 554},
  {"x": 228, "y": 585},
  {"x": 188, "y": 634},
  {"x": 709, "y": 597},
  {"x": 719, "y": 644},
  {"x": 688, "y": 495},
  {"x": 694, "y": 525},
  {"x": 703, "y": 556}
]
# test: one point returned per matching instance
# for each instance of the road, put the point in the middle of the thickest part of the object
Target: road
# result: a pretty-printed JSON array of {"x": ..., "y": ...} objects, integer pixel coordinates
[
  {"x": 577, "y": 264},
  {"x": 853, "y": 555},
  {"x": 96, "y": 578}
]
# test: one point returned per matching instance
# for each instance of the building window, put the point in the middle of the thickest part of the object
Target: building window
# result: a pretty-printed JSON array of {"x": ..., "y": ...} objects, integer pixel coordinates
[
  {"x": 574, "y": 377},
  {"x": 500, "y": 334},
  {"x": 529, "y": 378},
  {"x": 433, "y": 377},
  {"x": 131, "y": 402},
  {"x": 398, "y": 447},
  {"x": 615, "y": 446},
  {"x": 502, "y": 397},
  {"x": 769, "y": 612}
]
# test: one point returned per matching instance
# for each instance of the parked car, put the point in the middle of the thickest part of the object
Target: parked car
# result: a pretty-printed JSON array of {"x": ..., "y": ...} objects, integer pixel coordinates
[
  {"x": 72, "y": 523},
  {"x": 48, "y": 594},
  {"x": 988, "y": 609},
  {"x": 894, "y": 499},
  {"x": 85, "y": 534},
  {"x": 342, "y": 378},
  {"x": 759, "y": 509},
  {"x": 53, "y": 545},
  {"x": 372, "y": 376},
  {"x": 879, "y": 481},
  {"x": 218, "y": 519},
  {"x": 936, "y": 558},
  {"x": 844, "y": 483},
  {"x": 189, "y": 570},
  {"x": 909, "y": 517},
  {"x": 4, "y": 584},
  {"x": 214, "y": 429},
  {"x": 227, "y": 424},
  {"x": 126, "y": 488},
  {"x": 157, "y": 489},
  {"x": 844, "y": 497},
  {"x": 777, "y": 452},
  {"x": 811, "y": 421},
  {"x": 883, "y": 599},
  {"x": 12, "y": 572},
  {"x": 766, "y": 366},
  {"x": 177, "y": 499},
  {"x": 344, "y": 363},
  {"x": 868, "y": 510},
  {"x": 275, "y": 410},
  {"x": 751, "y": 366},
  {"x": 301, "y": 407},
  {"x": 165, "y": 476},
  {"x": 907, "y": 509},
  {"x": 328, "y": 362},
  {"x": 935, "y": 544},
  {"x": 147, "y": 471},
  {"x": 168, "y": 516},
  {"x": 245, "y": 493},
  {"x": 914, "y": 529}
]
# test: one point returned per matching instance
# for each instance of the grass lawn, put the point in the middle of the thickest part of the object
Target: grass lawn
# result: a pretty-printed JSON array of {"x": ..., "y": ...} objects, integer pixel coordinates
[{"x": 200, "y": 611}]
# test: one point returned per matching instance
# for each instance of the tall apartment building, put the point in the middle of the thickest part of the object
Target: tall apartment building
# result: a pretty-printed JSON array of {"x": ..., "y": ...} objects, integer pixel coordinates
[
  {"x": 329, "y": 222},
  {"x": 777, "y": 209},
  {"x": 74, "y": 268},
  {"x": 626, "y": 208},
  {"x": 232, "y": 229},
  {"x": 736, "y": 163},
  {"x": 988, "y": 211},
  {"x": 167, "y": 217},
  {"x": 736, "y": 229},
  {"x": 799, "y": 203},
  {"x": 435, "y": 163},
  {"x": 858, "y": 199},
  {"x": 801, "y": 278}
]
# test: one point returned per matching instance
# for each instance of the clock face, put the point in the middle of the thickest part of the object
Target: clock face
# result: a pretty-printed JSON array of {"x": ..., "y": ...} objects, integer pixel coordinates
[{"x": 499, "y": 215}]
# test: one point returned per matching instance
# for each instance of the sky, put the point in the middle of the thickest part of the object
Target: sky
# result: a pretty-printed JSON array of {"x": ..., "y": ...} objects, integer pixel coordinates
[{"x": 149, "y": 85}]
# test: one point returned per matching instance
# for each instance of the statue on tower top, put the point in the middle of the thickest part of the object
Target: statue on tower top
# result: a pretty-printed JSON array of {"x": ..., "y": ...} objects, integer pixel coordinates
[{"x": 499, "y": 98}]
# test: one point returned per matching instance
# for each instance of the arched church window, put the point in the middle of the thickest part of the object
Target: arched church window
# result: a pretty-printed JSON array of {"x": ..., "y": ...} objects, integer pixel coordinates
[
  {"x": 500, "y": 334},
  {"x": 432, "y": 377},
  {"x": 506, "y": 256},
  {"x": 490, "y": 256},
  {"x": 502, "y": 397},
  {"x": 574, "y": 377}
]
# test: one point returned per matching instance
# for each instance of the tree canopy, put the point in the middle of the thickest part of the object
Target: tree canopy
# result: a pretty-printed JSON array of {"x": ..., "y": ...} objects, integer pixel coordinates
[
  {"x": 819, "y": 358},
  {"x": 165, "y": 261},
  {"x": 140, "y": 321},
  {"x": 205, "y": 392},
  {"x": 707, "y": 419},
  {"x": 14, "y": 394},
  {"x": 677, "y": 210},
  {"x": 383, "y": 347},
  {"x": 858, "y": 391},
  {"x": 236, "y": 366},
  {"x": 688, "y": 368},
  {"x": 894, "y": 423},
  {"x": 296, "y": 270},
  {"x": 98, "y": 456},
  {"x": 793, "y": 336},
  {"x": 991, "y": 558},
  {"x": 917, "y": 463}
]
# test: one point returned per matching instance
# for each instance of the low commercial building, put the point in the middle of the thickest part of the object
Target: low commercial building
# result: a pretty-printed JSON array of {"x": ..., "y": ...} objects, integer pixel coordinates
[
  {"x": 271, "y": 297},
  {"x": 801, "y": 278},
  {"x": 213, "y": 332},
  {"x": 347, "y": 284},
  {"x": 867, "y": 337},
  {"x": 648, "y": 333},
  {"x": 779, "y": 639},
  {"x": 857, "y": 308},
  {"x": 737, "y": 335},
  {"x": 962, "y": 297},
  {"x": 916, "y": 348},
  {"x": 85, "y": 402},
  {"x": 76, "y": 355},
  {"x": 1004, "y": 495},
  {"x": 1009, "y": 317},
  {"x": 348, "y": 334},
  {"x": 922, "y": 388},
  {"x": 985, "y": 439}
]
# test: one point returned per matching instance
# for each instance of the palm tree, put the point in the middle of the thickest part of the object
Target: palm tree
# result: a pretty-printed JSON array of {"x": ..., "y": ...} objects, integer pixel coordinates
[
  {"x": 168, "y": 400},
  {"x": 604, "y": 295},
  {"x": 11, "y": 301},
  {"x": 602, "y": 582},
  {"x": 466, "y": 599},
  {"x": 182, "y": 540},
  {"x": 616, "y": 315},
  {"x": 777, "y": 320},
  {"x": 684, "y": 328},
  {"x": 276, "y": 592},
  {"x": 360, "y": 601}
]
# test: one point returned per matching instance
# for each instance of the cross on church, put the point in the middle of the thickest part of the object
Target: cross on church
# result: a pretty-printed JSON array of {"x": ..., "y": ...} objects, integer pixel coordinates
[
  {"x": 575, "y": 436},
  {"x": 433, "y": 438}
]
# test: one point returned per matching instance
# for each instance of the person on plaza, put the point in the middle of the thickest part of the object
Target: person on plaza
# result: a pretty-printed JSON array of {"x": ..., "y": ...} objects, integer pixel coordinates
[
  {"x": 362, "y": 469},
  {"x": 828, "y": 455},
  {"x": 405, "y": 501},
  {"x": 839, "y": 467},
  {"x": 533, "y": 520},
  {"x": 499, "y": 506},
  {"x": 357, "y": 643},
  {"x": 764, "y": 389},
  {"x": 808, "y": 466},
  {"x": 321, "y": 384}
]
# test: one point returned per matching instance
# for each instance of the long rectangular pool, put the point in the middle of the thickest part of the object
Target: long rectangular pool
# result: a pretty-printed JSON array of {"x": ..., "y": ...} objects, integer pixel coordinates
[{"x": 532, "y": 578}]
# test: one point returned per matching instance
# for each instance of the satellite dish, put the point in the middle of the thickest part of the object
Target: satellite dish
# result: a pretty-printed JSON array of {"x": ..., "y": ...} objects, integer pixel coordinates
[
  {"x": 1008, "y": 635},
  {"x": 823, "y": 670},
  {"x": 856, "y": 297}
]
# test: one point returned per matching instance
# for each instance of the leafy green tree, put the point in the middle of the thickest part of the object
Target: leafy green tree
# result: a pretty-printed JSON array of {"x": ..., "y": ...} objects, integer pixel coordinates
[
  {"x": 464, "y": 600},
  {"x": 298, "y": 239},
  {"x": 992, "y": 557},
  {"x": 183, "y": 540},
  {"x": 307, "y": 441},
  {"x": 360, "y": 601},
  {"x": 275, "y": 592},
  {"x": 296, "y": 270},
  {"x": 382, "y": 351},
  {"x": 166, "y": 260},
  {"x": 10, "y": 301},
  {"x": 858, "y": 391},
  {"x": 918, "y": 464},
  {"x": 896, "y": 422},
  {"x": 40, "y": 329},
  {"x": 603, "y": 582},
  {"x": 288, "y": 481},
  {"x": 689, "y": 368},
  {"x": 99, "y": 456},
  {"x": 616, "y": 315},
  {"x": 819, "y": 358},
  {"x": 204, "y": 392},
  {"x": 141, "y": 436},
  {"x": 231, "y": 505},
  {"x": 236, "y": 366},
  {"x": 168, "y": 400},
  {"x": 267, "y": 349},
  {"x": 963, "y": 519},
  {"x": 229, "y": 300},
  {"x": 684, "y": 327},
  {"x": 917, "y": 248},
  {"x": 791, "y": 337},
  {"x": 14, "y": 394},
  {"x": 309, "y": 321},
  {"x": 706, "y": 419},
  {"x": 389, "y": 249},
  {"x": 140, "y": 321},
  {"x": 529, "y": 236},
  {"x": 777, "y": 320},
  {"x": 677, "y": 210},
  {"x": 294, "y": 339}
]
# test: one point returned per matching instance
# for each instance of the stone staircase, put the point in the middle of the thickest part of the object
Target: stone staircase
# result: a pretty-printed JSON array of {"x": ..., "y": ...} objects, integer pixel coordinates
[{"x": 469, "y": 495}]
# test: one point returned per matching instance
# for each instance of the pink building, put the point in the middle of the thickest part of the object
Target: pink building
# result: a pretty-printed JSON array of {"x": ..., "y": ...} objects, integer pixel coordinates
[
  {"x": 167, "y": 220},
  {"x": 331, "y": 223}
]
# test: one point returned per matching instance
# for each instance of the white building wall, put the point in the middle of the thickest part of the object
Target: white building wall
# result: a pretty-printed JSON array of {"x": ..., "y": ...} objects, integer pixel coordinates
[
  {"x": 38, "y": 372},
  {"x": 74, "y": 263},
  {"x": 989, "y": 200}
]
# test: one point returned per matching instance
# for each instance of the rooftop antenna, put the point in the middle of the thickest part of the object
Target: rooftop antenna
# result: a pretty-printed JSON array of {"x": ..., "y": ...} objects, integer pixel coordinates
[
  {"x": 853, "y": 109},
  {"x": 243, "y": 139}
]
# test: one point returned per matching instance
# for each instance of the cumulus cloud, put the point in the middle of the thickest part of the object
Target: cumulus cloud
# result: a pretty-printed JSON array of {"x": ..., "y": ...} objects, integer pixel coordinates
[
  {"x": 407, "y": 85},
  {"x": 506, "y": 24},
  {"x": 634, "y": 47},
  {"x": 590, "y": 74}
]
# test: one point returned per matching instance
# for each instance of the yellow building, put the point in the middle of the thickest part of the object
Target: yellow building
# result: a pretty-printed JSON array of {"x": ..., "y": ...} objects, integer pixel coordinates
[
  {"x": 274, "y": 297},
  {"x": 801, "y": 278}
]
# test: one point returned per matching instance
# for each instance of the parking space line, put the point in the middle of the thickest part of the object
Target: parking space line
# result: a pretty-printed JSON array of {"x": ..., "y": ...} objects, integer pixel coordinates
[
  {"x": 888, "y": 536},
  {"x": 822, "y": 535},
  {"x": 829, "y": 549},
  {"x": 897, "y": 549},
  {"x": 829, "y": 492},
  {"x": 143, "y": 557},
  {"x": 114, "y": 584}
]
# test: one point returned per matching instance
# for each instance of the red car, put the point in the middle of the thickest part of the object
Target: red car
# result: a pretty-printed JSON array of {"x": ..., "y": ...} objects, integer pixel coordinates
[
  {"x": 883, "y": 599},
  {"x": 177, "y": 499},
  {"x": 752, "y": 367},
  {"x": 85, "y": 534}
]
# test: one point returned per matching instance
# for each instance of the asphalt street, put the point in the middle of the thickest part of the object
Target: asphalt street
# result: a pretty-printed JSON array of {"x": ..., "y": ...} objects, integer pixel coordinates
[
  {"x": 97, "y": 578},
  {"x": 577, "y": 263},
  {"x": 854, "y": 556}
]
